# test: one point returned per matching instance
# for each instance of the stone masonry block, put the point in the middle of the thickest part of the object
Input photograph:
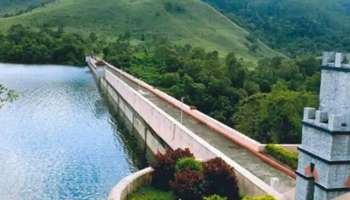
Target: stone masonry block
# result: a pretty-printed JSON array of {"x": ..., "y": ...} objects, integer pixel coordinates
[
  {"x": 328, "y": 57},
  {"x": 338, "y": 123}
]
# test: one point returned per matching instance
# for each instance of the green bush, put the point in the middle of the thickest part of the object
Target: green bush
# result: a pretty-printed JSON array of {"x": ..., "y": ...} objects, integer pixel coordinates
[
  {"x": 164, "y": 167},
  {"x": 266, "y": 197},
  {"x": 189, "y": 164},
  {"x": 215, "y": 197},
  {"x": 283, "y": 155}
]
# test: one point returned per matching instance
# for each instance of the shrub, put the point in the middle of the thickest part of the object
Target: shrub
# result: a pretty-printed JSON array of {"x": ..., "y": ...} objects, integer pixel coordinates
[
  {"x": 214, "y": 197},
  {"x": 188, "y": 185},
  {"x": 164, "y": 166},
  {"x": 180, "y": 153},
  {"x": 188, "y": 163},
  {"x": 220, "y": 179},
  {"x": 283, "y": 155},
  {"x": 266, "y": 197}
]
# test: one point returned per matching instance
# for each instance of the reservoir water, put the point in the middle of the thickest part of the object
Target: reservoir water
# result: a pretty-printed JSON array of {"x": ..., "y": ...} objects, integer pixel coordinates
[{"x": 58, "y": 140}]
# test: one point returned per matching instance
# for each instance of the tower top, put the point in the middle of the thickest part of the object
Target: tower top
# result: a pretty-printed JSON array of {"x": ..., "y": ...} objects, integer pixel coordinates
[
  {"x": 335, "y": 59},
  {"x": 335, "y": 84}
]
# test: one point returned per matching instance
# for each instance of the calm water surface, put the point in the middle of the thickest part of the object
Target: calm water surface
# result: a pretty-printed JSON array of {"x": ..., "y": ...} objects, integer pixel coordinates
[{"x": 58, "y": 140}]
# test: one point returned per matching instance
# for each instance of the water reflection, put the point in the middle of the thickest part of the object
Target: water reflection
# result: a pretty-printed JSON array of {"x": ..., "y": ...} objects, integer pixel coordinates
[{"x": 100, "y": 108}]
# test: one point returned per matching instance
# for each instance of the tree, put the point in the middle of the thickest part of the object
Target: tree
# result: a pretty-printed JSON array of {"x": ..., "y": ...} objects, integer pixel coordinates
[
  {"x": 93, "y": 37},
  {"x": 236, "y": 70},
  {"x": 120, "y": 53},
  {"x": 308, "y": 65},
  {"x": 276, "y": 116},
  {"x": 6, "y": 95}
]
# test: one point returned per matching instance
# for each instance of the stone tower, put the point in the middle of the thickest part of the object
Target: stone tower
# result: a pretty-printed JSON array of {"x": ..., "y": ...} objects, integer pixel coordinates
[{"x": 324, "y": 160}]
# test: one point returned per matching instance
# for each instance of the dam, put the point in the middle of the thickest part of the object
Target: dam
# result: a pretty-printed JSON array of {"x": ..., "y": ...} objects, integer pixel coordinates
[
  {"x": 67, "y": 137},
  {"x": 164, "y": 122}
]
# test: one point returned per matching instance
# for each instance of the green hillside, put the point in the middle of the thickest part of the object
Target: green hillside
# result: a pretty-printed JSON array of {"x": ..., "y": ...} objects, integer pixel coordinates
[
  {"x": 182, "y": 21},
  {"x": 293, "y": 26}
]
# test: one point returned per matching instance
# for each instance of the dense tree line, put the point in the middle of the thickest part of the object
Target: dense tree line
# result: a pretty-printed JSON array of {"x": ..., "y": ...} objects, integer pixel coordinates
[
  {"x": 265, "y": 103},
  {"x": 24, "y": 45}
]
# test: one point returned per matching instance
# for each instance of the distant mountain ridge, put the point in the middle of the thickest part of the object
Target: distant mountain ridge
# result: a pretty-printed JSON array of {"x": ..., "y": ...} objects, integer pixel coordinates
[
  {"x": 293, "y": 26},
  {"x": 182, "y": 21}
]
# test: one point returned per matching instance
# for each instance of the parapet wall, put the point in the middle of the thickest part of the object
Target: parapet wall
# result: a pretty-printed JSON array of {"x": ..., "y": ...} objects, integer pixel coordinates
[
  {"x": 170, "y": 130},
  {"x": 217, "y": 126},
  {"x": 130, "y": 184},
  {"x": 147, "y": 138}
]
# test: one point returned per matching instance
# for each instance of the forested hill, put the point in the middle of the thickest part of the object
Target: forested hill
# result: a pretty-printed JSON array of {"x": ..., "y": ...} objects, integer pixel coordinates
[
  {"x": 265, "y": 103},
  {"x": 181, "y": 21},
  {"x": 11, "y": 7},
  {"x": 293, "y": 26}
]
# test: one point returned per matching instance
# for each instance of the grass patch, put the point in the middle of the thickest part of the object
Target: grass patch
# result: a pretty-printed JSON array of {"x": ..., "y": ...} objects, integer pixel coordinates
[
  {"x": 150, "y": 193},
  {"x": 265, "y": 197},
  {"x": 182, "y": 21}
]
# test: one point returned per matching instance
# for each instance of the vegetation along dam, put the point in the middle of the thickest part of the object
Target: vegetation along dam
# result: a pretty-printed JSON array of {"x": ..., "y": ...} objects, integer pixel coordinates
[{"x": 58, "y": 140}]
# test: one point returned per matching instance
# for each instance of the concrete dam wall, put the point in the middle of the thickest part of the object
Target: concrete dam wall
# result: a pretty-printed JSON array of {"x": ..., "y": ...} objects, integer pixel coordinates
[{"x": 159, "y": 127}]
